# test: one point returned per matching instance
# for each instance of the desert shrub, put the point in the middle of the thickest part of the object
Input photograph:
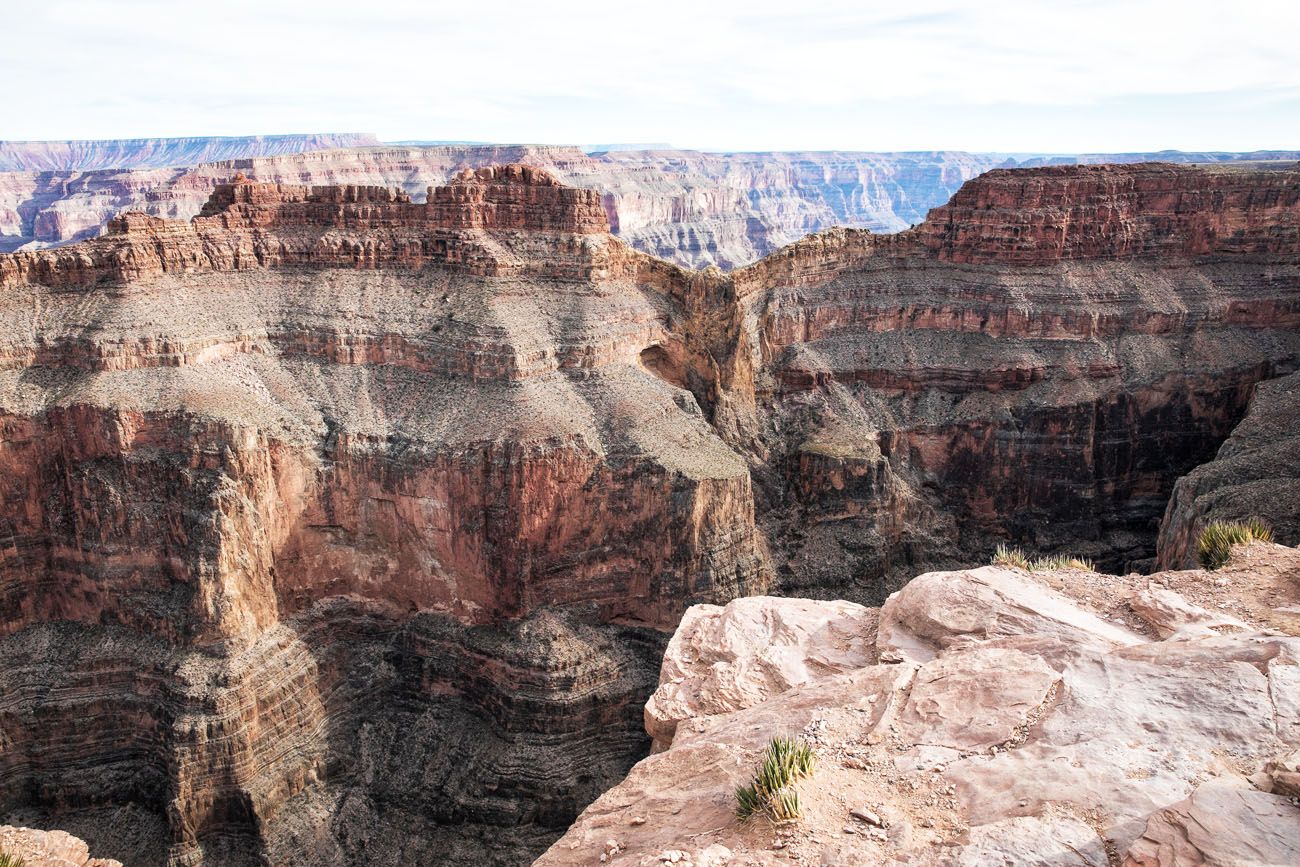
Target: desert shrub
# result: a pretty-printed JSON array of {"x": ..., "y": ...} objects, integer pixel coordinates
[
  {"x": 7, "y": 860},
  {"x": 1015, "y": 558},
  {"x": 1062, "y": 561},
  {"x": 772, "y": 792},
  {"x": 1012, "y": 558},
  {"x": 1214, "y": 545}
]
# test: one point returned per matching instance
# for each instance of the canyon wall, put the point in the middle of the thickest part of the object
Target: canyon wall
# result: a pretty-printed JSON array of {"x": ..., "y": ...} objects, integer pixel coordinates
[
  {"x": 341, "y": 528},
  {"x": 1255, "y": 474},
  {"x": 691, "y": 207},
  {"x": 91, "y": 154},
  {"x": 1037, "y": 363},
  {"x": 342, "y": 524}
]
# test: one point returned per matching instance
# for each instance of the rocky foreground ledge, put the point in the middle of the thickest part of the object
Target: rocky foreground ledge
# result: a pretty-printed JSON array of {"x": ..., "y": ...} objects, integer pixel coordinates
[
  {"x": 33, "y": 848},
  {"x": 989, "y": 716}
]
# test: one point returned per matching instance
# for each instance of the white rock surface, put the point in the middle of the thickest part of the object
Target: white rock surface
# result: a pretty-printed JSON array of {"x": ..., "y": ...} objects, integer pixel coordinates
[
  {"x": 1005, "y": 723},
  {"x": 48, "y": 848},
  {"x": 723, "y": 659}
]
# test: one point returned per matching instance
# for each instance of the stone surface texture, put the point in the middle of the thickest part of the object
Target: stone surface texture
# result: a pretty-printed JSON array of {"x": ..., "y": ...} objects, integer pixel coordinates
[{"x": 1043, "y": 728}]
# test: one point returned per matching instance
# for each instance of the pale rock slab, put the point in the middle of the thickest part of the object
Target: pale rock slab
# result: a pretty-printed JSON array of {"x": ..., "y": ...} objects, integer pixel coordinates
[
  {"x": 940, "y": 610},
  {"x": 975, "y": 699},
  {"x": 723, "y": 659},
  {"x": 1220, "y": 825},
  {"x": 1060, "y": 841},
  {"x": 1172, "y": 616},
  {"x": 49, "y": 848}
]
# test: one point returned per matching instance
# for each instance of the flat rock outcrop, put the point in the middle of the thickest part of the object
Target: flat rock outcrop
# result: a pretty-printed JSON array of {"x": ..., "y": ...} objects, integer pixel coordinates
[
  {"x": 1032, "y": 725},
  {"x": 35, "y": 848}
]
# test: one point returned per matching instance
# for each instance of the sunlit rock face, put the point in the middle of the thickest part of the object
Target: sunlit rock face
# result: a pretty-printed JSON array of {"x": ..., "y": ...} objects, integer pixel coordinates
[
  {"x": 343, "y": 524},
  {"x": 991, "y": 716}
]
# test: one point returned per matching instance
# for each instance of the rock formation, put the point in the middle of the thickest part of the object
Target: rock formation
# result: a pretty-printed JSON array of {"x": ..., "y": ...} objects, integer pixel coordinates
[
  {"x": 36, "y": 848},
  {"x": 1003, "y": 718},
  {"x": 345, "y": 527},
  {"x": 1256, "y": 474},
  {"x": 694, "y": 208},
  {"x": 96, "y": 154}
]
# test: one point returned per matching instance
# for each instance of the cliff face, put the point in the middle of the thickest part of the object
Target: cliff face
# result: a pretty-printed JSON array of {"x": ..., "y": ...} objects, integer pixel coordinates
[
  {"x": 348, "y": 527},
  {"x": 1255, "y": 474},
  {"x": 340, "y": 527},
  {"x": 1042, "y": 374},
  {"x": 89, "y": 154},
  {"x": 693, "y": 208}
]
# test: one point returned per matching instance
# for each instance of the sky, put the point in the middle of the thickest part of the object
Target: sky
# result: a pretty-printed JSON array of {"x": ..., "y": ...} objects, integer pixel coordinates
[{"x": 996, "y": 75}]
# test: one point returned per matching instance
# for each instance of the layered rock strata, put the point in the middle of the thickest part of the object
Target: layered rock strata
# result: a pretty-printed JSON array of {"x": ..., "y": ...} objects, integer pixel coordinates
[
  {"x": 1005, "y": 718},
  {"x": 342, "y": 526},
  {"x": 1255, "y": 474},
  {"x": 690, "y": 207},
  {"x": 94, "y": 154}
]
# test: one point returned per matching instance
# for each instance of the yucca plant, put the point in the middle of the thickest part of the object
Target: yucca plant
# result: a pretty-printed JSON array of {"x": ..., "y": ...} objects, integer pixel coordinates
[
  {"x": 772, "y": 792},
  {"x": 748, "y": 802},
  {"x": 1012, "y": 558},
  {"x": 784, "y": 805},
  {"x": 1214, "y": 545},
  {"x": 1062, "y": 561}
]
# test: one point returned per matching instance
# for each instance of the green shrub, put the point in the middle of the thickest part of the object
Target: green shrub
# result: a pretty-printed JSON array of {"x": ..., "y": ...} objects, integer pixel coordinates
[
  {"x": 772, "y": 792},
  {"x": 1214, "y": 545},
  {"x": 7, "y": 860}
]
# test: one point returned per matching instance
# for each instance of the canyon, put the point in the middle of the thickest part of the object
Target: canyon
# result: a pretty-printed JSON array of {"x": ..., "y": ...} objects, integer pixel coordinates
[
  {"x": 691, "y": 207},
  {"x": 346, "y": 525}
]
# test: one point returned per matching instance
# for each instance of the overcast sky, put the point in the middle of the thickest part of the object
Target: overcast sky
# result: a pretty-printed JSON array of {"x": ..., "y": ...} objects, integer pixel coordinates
[{"x": 999, "y": 75}]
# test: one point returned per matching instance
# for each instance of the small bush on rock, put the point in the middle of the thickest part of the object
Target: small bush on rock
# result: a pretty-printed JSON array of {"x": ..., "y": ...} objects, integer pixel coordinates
[
  {"x": 7, "y": 860},
  {"x": 772, "y": 791},
  {"x": 1015, "y": 558},
  {"x": 1216, "y": 541},
  {"x": 1012, "y": 558}
]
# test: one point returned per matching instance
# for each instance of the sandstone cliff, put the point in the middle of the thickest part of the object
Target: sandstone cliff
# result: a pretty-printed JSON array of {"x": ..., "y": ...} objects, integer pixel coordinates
[
  {"x": 1042, "y": 371},
  {"x": 344, "y": 526},
  {"x": 992, "y": 716}
]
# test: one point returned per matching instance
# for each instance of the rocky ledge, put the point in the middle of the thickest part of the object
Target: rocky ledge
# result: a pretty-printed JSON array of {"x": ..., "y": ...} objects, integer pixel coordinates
[
  {"x": 34, "y": 848},
  {"x": 986, "y": 716}
]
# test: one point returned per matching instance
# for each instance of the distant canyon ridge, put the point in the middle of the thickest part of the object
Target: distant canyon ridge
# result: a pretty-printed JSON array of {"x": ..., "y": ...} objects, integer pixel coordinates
[{"x": 693, "y": 208}]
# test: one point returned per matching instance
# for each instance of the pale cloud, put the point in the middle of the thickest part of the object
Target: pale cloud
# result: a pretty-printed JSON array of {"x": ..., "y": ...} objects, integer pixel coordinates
[{"x": 1012, "y": 75}]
